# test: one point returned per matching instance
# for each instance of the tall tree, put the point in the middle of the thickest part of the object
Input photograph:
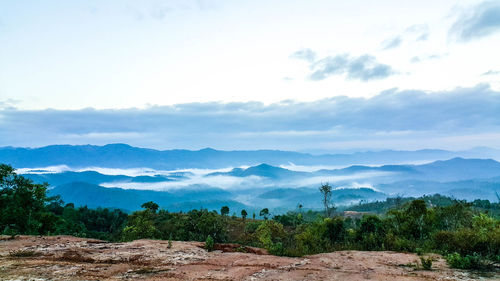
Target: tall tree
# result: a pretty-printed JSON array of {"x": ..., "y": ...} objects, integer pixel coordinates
[
  {"x": 326, "y": 192},
  {"x": 224, "y": 210},
  {"x": 264, "y": 213}
]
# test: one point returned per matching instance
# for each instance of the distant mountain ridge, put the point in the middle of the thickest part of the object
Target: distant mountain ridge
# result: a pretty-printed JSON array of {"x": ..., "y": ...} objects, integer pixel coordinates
[
  {"x": 93, "y": 196},
  {"x": 126, "y": 156},
  {"x": 443, "y": 170}
]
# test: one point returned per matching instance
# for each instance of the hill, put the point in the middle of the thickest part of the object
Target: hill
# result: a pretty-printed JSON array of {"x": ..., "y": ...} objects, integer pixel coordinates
[{"x": 125, "y": 156}]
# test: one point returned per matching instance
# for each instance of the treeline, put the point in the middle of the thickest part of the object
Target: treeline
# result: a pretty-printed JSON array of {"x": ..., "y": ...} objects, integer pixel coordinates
[
  {"x": 467, "y": 234},
  {"x": 436, "y": 200},
  {"x": 25, "y": 208}
]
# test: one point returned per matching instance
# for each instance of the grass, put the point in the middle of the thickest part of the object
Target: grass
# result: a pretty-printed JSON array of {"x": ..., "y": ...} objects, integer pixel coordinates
[{"x": 23, "y": 253}]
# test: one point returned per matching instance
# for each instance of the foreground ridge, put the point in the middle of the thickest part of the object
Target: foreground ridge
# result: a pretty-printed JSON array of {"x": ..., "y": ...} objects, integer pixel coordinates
[{"x": 71, "y": 258}]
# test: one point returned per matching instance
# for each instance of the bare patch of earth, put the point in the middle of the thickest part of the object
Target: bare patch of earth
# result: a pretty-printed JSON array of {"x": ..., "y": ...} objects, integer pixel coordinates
[{"x": 70, "y": 258}]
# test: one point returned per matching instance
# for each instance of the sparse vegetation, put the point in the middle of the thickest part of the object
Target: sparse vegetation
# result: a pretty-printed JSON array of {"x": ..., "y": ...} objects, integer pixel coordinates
[
  {"x": 23, "y": 253},
  {"x": 426, "y": 262},
  {"x": 209, "y": 243}
]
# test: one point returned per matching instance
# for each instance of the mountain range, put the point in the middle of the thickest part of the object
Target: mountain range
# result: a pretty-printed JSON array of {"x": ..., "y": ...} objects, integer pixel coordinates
[
  {"x": 121, "y": 176},
  {"x": 125, "y": 156}
]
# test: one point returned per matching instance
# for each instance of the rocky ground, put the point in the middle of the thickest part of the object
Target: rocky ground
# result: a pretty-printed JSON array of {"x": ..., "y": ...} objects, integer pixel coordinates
[{"x": 70, "y": 258}]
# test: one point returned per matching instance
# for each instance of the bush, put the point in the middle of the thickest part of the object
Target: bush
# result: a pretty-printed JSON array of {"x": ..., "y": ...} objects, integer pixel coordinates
[
  {"x": 209, "y": 243},
  {"x": 474, "y": 261},
  {"x": 277, "y": 249},
  {"x": 251, "y": 227},
  {"x": 335, "y": 230},
  {"x": 426, "y": 263},
  {"x": 170, "y": 241}
]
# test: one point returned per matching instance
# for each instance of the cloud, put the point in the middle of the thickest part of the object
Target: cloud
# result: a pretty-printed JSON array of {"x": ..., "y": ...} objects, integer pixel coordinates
[
  {"x": 416, "y": 59},
  {"x": 392, "y": 43},
  {"x": 491, "y": 72},
  {"x": 160, "y": 9},
  {"x": 423, "y": 37},
  {"x": 304, "y": 54},
  {"x": 477, "y": 22},
  {"x": 364, "y": 68},
  {"x": 392, "y": 119},
  {"x": 8, "y": 103},
  {"x": 420, "y": 32}
]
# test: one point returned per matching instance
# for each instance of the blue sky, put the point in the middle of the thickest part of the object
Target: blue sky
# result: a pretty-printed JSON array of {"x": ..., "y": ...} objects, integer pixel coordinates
[{"x": 229, "y": 74}]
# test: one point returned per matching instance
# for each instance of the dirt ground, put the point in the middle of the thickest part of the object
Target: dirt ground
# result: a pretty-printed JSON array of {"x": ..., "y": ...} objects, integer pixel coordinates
[{"x": 69, "y": 258}]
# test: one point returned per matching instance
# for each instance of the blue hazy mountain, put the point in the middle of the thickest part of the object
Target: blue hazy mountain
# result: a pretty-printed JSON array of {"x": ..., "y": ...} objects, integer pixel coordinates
[
  {"x": 458, "y": 177},
  {"x": 92, "y": 177},
  {"x": 448, "y": 170},
  {"x": 125, "y": 156},
  {"x": 263, "y": 170},
  {"x": 93, "y": 196},
  {"x": 466, "y": 189},
  {"x": 259, "y": 185},
  {"x": 308, "y": 197}
]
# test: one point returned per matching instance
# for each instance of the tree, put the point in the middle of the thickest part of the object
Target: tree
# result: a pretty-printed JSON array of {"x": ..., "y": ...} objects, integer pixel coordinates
[
  {"x": 141, "y": 225},
  {"x": 264, "y": 213},
  {"x": 152, "y": 206},
  {"x": 23, "y": 204},
  {"x": 326, "y": 192},
  {"x": 244, "y": 214},
  {"x": 224, "y": 210}
]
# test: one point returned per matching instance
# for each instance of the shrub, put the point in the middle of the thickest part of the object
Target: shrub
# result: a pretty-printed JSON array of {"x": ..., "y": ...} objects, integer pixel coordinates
[
  {"x": 426, "y": 263},
  {"x": 209, "y": 243},
  {"x": 474, "y": 261},
  {"x": 277, "y": 249},
  {"x": 170, "y": 241},
  {"x": 269, "y": 235},
  {"x": 335, "y": 230},
  {"x": 251, "y": 227},
  {"x": 443, "y": 240}
]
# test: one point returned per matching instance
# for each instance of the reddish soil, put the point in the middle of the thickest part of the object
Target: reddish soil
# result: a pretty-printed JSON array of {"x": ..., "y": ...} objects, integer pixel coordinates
[{"x": 70, "y": 258}]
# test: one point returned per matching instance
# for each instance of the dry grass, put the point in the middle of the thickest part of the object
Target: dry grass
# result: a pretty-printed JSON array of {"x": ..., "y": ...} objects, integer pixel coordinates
[
  {"x": 23, "y": 253},
  {"x": 74, "y": 256}
]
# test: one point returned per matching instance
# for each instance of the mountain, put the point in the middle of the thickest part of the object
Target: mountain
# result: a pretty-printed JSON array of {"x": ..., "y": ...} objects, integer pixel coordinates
[
  {"x": 265, "y": 185},
  {"x": 92, "y": 177},
  {"x": 93, "y": 196},
  {"x": 466, "y": 189},
  {"x": 262, "y": 170},
  {"x": 460, "y": 169},
  {"x": 448, "y": 170},
  {"x": 311, "y": 197},
  {"x": 125, "y": 156}
]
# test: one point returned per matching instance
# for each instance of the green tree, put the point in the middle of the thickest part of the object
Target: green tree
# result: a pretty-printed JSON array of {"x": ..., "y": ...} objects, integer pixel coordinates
[
  {"x": 23, "y": 204},
  {"x": 150, "y": 206},
  {"x": 326, "y": 192},
  {"x": 244, "y": 214},
  {"x": 264, "y": 213},
  {"x": 224, "y": 210},
  {"x": 141, "y": 225}
]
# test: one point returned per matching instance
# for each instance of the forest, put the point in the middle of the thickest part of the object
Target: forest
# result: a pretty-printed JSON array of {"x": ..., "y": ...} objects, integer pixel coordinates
[{"x": 467, "y": 234}]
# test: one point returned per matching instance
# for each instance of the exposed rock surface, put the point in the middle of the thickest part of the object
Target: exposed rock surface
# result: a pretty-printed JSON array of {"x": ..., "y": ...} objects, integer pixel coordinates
[{"x": 70, "y": 258}]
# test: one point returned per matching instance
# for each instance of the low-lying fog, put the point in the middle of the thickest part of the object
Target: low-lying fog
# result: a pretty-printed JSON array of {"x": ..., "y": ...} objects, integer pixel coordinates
[{"x": 285, "y": 185}]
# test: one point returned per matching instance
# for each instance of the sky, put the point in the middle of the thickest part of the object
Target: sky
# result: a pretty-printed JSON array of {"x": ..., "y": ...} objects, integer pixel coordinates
[{"x": 293, "y": 75}]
